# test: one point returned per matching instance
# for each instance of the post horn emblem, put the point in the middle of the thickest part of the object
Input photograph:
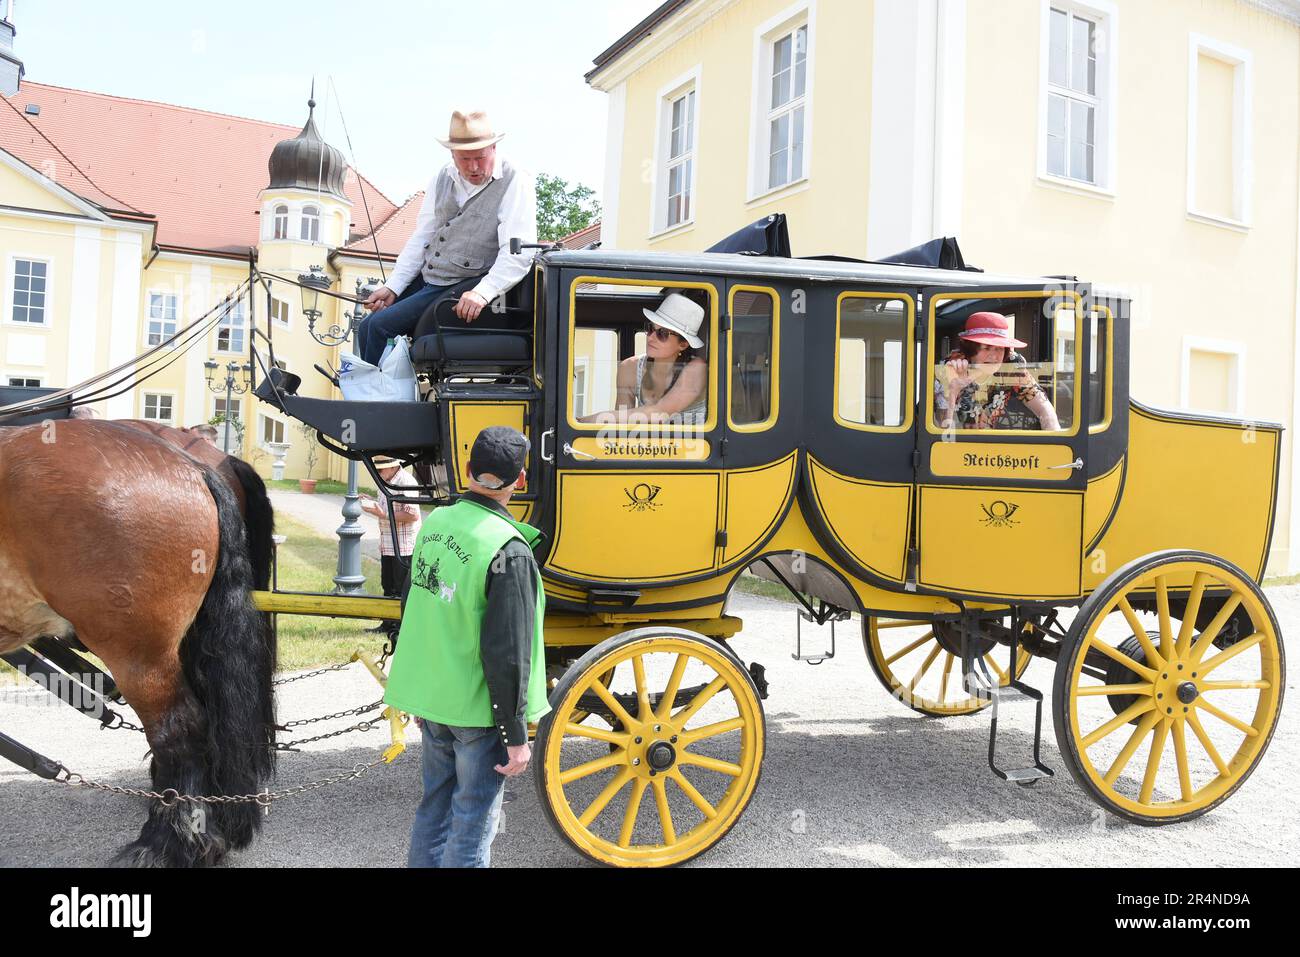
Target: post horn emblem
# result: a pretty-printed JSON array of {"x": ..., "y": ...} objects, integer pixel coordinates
[
  {"x": 641, "y": 497},
  {"x": 998, "y": 514}
]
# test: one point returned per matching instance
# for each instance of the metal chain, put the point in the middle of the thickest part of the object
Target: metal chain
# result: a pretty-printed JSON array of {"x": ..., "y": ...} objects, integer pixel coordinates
[
  {"x": 312, "y": 674},
  {"x": 295, "y": 745},
  {"x": 330, "y": 717},
  {"x": 171, "y": 797},
  {"x": 121, "y": 724}
]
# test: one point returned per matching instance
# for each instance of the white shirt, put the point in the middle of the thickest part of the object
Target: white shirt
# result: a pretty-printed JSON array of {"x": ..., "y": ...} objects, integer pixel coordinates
[{"x": 517, "y": 219}]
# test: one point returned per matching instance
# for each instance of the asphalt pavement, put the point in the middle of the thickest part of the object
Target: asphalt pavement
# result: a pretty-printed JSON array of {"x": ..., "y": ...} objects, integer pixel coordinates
[{"x": 850, "y": 778}]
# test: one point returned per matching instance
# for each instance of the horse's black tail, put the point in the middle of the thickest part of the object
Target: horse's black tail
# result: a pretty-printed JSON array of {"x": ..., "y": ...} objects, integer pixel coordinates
[
  {"x": 259, "y": 520},
  {"x": 229, "y": 662}
]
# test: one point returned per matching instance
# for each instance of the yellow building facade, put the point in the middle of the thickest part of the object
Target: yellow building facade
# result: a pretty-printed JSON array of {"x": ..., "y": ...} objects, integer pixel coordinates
[
  {"x": 1148, "y": 147},
  {"x": 90, "y": 283}
]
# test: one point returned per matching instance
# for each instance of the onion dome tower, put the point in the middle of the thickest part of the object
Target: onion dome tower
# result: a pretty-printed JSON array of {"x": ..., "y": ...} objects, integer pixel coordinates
[{"x": 307, "y": 161}]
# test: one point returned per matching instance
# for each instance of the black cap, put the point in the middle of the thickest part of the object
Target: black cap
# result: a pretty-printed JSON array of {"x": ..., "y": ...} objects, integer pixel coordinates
[{"x": 501, "y": 451}]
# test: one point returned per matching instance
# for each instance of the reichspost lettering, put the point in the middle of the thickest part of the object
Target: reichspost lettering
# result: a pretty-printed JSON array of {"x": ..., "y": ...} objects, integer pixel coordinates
[
  {"x": 1010, "y": 463},
  {"x": 74, "y": 910}
]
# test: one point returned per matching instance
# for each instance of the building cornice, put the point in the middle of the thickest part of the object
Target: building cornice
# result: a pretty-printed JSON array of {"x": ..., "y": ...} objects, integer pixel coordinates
[{"x": 650, "y": 38}]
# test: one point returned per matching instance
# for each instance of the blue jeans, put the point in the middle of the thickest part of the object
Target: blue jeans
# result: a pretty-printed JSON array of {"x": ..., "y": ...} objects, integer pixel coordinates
[
  {"x": 461, "y": 808},
  {"x": 401, "y": 318}
]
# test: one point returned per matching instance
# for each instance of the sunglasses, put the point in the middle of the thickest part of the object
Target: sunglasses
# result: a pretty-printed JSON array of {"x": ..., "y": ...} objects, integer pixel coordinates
[{"x": 659, "y": 332}]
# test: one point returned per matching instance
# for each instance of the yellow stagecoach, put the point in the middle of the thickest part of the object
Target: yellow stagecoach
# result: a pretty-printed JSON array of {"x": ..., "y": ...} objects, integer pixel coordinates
[{"x": 1126, "y": 545}]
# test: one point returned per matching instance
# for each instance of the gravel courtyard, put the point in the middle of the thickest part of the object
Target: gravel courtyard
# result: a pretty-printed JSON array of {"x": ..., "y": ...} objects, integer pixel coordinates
[{"x": 851, "y": 778}]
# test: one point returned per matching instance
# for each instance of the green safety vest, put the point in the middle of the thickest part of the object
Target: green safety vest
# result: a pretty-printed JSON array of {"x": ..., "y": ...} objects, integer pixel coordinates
[{"x": 437, "y": 672}]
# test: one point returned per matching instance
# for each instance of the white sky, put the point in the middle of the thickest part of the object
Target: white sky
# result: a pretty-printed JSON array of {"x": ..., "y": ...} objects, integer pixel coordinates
[{"x": 400, "y": 68}]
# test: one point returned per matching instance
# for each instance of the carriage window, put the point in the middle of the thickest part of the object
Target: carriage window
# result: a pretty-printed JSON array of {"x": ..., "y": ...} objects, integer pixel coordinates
[
  {"x": 870, "y": 370},
  {"x": 1099, "y": 372},
  {"x": 640, "y": 354},
  {"x": 752, "y": 348},
  {"x": 1005, "y": 364},
  {"x": 595, "y": 370}
]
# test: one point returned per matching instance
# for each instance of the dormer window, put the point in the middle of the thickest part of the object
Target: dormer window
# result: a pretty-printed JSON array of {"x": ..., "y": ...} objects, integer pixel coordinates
[
  {"x": 280, "y": 229},
  {"x": 310, "y": 229}
]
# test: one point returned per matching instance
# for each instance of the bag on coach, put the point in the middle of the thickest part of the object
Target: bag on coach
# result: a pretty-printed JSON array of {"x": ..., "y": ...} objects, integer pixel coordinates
[{"x": 393, "y": 380}]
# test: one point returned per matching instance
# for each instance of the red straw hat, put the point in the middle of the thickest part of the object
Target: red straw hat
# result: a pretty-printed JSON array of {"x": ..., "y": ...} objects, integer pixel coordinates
[{"x": 992, "y": 329}]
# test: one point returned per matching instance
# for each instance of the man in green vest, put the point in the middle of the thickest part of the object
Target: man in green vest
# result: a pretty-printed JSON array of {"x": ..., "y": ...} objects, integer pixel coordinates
[{"x": 470, "y": 663}]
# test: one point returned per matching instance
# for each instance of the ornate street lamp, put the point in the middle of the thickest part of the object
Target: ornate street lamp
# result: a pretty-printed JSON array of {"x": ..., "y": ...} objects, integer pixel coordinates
[
  {"x": 216, "y": 386},
  {"x": 312, "y": 284}
]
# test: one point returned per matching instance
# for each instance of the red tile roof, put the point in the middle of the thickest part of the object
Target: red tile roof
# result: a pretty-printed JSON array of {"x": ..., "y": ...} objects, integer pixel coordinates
[
  {"x": 392, "y": 233},
  {"x": 199, "y": 172},
  {"x": 23, "y": 140},
  {"x": 582, "y": 238}
]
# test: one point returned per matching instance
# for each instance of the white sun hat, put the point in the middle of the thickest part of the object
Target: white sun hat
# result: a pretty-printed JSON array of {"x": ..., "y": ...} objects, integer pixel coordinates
[{"x": 678, "y": 314}]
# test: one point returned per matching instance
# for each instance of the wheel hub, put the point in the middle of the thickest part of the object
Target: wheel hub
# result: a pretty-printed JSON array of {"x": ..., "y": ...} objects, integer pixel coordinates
[
  {"x": 660, "y": 756},
  {"x": 1187, "y": 692}
]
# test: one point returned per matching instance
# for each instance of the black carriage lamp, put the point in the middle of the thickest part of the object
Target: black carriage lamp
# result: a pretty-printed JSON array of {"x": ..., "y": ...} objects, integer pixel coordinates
[
  {"x": 312, "y": 284},
  {"x": 237, "y": 381}
]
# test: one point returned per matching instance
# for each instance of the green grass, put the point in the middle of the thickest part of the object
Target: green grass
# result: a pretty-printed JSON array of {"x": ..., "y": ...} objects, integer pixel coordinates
[
  {"x": 323, "y": 486},
  {"x": 1279, "y": 580},
  {"x": 753, "y": 585},
  {"x": 307, "y": 561}
]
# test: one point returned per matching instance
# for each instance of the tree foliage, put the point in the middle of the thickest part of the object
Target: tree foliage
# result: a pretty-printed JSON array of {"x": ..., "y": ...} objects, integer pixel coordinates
[{"x": 562, "y": 209}]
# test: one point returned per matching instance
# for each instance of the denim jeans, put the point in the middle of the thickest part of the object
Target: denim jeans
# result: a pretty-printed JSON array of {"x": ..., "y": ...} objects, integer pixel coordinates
[
  {"x": 401, "y": 318},
  {"x": 461, "y": 808}
]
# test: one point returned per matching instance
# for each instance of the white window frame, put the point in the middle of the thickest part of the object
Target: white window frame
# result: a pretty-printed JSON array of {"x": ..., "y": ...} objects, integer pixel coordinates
[
  {"x": 10, "y": 279},
  {"x": 149, "y": 293},
  {"x": 163, "y": 393},
  {"x": 234, "y": 399},
  {"x": 1236, "y": 380},
  {"x": 686, "y": 83},
  {"x": 1105, "y": 149},
  {"x": 765, "y": 35},
  {"x": 305, "y": 218},
  {"x": 243, "y": 326},
  {"x": 262, "y": 417},
  {"x": 288, "y": 311},
  {"x": 1243, "y": 145},
  {"x": 40, "y": 380},
  {"x": 288, "y": 217}
]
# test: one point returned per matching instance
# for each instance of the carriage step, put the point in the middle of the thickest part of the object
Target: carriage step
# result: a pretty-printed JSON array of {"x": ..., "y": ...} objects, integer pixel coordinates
[
  {"x": 1009, "y": 694},
  {"x": 1017, "y": 692},
  {"x": 1024, "y": 776}
]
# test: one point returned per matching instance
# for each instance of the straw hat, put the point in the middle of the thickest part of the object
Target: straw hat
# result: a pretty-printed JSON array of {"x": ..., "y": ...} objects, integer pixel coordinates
[
  {"x": 678, "y": 314},
  {"x": 470, "y": 131}
]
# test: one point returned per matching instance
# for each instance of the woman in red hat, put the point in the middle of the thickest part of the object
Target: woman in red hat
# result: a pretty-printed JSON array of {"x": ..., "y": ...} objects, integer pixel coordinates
[{"x": 972, "y": 388}]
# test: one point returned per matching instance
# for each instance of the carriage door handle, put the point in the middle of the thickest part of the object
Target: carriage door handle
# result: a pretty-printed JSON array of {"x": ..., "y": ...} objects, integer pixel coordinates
[
  {"x": 576, "y": 453},
  {"x": 1076, "y": 464},
  {"x": 542, "y": 450}
]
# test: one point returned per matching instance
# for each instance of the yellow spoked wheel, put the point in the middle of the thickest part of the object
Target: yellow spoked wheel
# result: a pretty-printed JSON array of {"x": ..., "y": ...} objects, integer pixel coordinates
[
  {"x": 918, "y": 668},
  {"x": 1162, "y": 725},
  {"x": 668, "y": 755}
]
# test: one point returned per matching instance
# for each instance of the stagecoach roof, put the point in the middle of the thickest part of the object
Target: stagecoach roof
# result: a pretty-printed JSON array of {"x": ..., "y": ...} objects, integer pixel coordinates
[{"x": 731, "y": 264}]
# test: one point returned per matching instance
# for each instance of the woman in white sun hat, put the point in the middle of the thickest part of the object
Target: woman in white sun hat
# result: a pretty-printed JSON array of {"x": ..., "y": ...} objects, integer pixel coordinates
[{"x": 667, "y": 383}]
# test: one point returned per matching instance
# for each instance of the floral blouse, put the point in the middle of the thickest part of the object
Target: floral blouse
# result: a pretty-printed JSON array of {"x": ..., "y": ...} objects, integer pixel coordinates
[{"x": 987, "y": 405}]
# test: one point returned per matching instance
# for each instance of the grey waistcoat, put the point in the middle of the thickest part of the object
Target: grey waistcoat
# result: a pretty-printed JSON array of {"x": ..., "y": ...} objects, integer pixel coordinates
[{"x": 464, "y": 241}]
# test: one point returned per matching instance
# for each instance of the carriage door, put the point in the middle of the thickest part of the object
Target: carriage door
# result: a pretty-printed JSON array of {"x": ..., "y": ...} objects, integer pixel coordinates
[
  {"x": 1000, "y": 494},
  {"x": 637, "y": 503}
]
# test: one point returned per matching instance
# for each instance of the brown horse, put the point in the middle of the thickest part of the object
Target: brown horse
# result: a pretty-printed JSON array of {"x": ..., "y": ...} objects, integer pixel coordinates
[
  {"x": 139, "y": 548},
  {"x": 249, "y": 489}
]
